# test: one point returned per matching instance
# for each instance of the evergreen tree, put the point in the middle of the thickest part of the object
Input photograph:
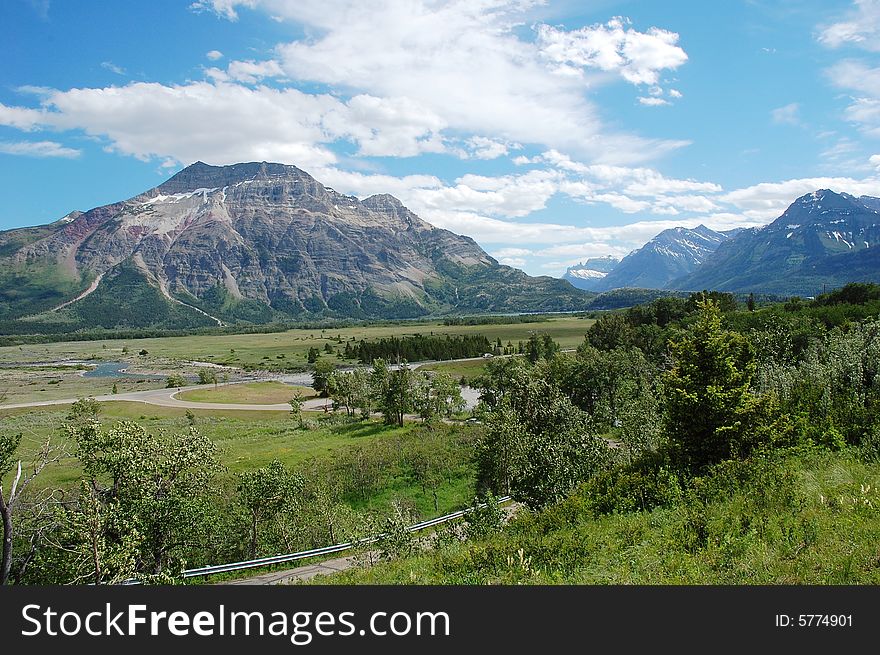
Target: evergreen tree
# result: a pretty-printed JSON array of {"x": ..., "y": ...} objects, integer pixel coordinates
[{"x": 711, "y": 413}]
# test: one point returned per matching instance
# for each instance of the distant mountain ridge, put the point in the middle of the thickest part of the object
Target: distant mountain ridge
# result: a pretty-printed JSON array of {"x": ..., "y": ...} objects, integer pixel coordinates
[
  {"x": 253, "y": 242},
  {"x": 588, "y": 274},
  {"x": 824, "y": 239},
  {"x": 671, "y": 254}
]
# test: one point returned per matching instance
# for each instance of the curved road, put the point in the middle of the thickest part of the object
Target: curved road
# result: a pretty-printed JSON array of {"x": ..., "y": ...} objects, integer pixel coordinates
[{"x": 167, "y": 398}]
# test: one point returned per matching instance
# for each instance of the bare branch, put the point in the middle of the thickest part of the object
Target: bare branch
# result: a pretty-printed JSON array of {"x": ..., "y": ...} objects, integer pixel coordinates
[{"x": 15, "y": 484}]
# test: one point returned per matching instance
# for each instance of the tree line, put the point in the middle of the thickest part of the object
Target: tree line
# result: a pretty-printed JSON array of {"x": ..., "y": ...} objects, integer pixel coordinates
[{"x": 418, "y": 347}]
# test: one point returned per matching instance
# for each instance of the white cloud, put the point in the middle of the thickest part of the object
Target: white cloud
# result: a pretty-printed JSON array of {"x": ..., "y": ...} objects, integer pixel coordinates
[
  {"x": 225, "y": 122},
  {"x": 638, "y": 57},
  {"x": 507, "y": 195},
  {"x": 766, "y": 201},
  {"x": 225, "y": 8},
  {"x": 864, "y": 110},
  {"x": 787, "y": 115},
  {"x": 516, "y": 262},
  {"x": 581, "y": 251},
  {"x": 396, "y": 127},
  {"x": 113, "y": 68},
  {"x": 214, "y": 55},
  {"x": 875, "y": 161},
  {"x": 480, "y": 147},
  {"x": 857, "y": 76},
  {"x": 860, "y": 27},
  {"x": 428, "y": 53},
  {"x": 511, "y": 252},
  {"x": 38, "y": 149},
  {"x": 211, "y": 122},
  {"x": 652, "y": 101},
  {"x": 251, "y": 72},
  {"x": 21, "y": 118}
]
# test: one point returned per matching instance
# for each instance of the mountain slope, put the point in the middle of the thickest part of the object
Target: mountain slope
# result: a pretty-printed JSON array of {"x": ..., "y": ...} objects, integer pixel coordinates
[
  {"x": 255, "y": 242},
  {"x": 823, "y": 239},
  {"x": 670, "y": 255},
  {"x": 588, "y": 275}
]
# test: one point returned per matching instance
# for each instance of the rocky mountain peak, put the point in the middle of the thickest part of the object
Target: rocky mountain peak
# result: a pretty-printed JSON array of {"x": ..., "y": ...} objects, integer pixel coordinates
[
  {"x": 388, "y": 205},
  {"x": 204, "y": 176}
]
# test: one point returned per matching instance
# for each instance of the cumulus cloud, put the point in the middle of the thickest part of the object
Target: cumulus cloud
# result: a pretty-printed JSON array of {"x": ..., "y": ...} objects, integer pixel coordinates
[
  {"x": 396, "y": 127},
  {"x": 766, "y": 201},
  {"x": 481, "y": 147},
  {"x": 226, "y": 122},
  {"x": 875, "y": 161},
  {"x": 859, "y": 27},
  {"x": 638, "y": 57},
  {"x": 38, "y": 149},
  {"x": 222, "y": 123},
  {"x": 507, "y": 195},
  {"x": 425, "y": 52},
  {"x": 214, "y": 55},
  {"x": 251, "y": 72}
]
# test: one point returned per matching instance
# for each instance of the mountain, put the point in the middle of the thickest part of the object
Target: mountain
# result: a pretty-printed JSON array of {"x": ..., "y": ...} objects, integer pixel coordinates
[
  {"x": 252, "y": 242},
  {"x": 588, "y": 275},
  {"x": 824, "y": 239},
  {"x": 670, "y": 255}
]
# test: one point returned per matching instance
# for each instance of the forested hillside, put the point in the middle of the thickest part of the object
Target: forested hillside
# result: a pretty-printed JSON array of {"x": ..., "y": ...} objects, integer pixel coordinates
[{"x": 688, "y": 441}]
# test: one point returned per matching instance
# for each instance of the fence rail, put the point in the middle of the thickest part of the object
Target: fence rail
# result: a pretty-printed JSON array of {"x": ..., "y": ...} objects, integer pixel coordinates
[{"x": 316, "y": 552}]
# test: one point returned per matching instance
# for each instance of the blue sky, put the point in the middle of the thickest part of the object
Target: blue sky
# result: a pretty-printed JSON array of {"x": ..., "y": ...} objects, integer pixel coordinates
[{"x": 549, "y": 131}]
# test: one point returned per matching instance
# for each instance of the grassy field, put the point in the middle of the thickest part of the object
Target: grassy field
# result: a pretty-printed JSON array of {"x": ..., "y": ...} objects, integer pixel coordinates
[
  {"x": 291, "y": 346},
  {"x": 246, "y": 440},
  {"x": 19, "y": 385},
  {"x": 810, "y": 519},
  {"x": 249, "y": 393},
  {"x": 466, "y": 369}
]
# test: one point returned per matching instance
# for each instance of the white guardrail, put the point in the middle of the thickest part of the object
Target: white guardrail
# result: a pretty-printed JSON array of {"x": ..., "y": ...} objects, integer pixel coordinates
[{"x": 315, "y": 552}]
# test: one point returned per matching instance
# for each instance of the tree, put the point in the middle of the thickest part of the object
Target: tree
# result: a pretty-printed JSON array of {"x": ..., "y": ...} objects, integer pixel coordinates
[
  {"x": 84, "y": 410},
  {"x": 265, "y": 493},
  {"x": 540, "y": 346},
  {"x": 175, "y": 381},
  {"x": 610, "y": 331},
  {"x": 155, "y": 486},
  {"x": 8, "y": 462},
  {"x": 436, "y": 394},
  {"x": 711, "y": 414},
  {"x": 207, "y": 376},
  {"x": 296, "y": 405},
  {"x": 321, "y": 373},
  {"x": 392, "y": 390},
  {"x": 537, "y": 445},
  {"x": 750, "y": 303},
  {"x": 115, "y": 389}
]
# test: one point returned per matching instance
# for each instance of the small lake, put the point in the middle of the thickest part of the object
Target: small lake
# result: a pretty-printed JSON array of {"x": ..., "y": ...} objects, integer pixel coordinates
[{"x": 118, "y": 370}]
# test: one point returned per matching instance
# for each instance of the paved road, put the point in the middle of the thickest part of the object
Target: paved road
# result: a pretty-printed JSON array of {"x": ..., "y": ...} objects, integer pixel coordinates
[
  {"x": 307, "y": 572},
  {"x": 168, "y": 398}
]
